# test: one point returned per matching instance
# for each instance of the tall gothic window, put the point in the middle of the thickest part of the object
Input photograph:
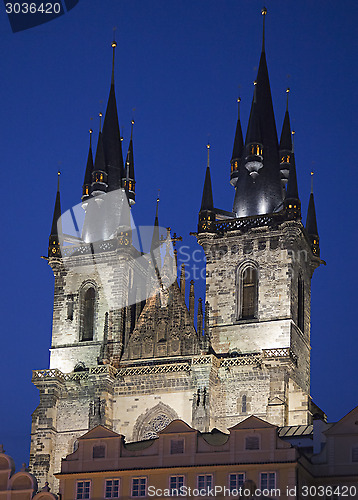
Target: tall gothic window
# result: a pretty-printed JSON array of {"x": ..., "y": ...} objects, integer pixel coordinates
[
  {"x": 300, "y": 305},
  {"x": 248, "y": 292},
  {"x": 87, "y": 316},
  {"x": 244, "y": 404}
]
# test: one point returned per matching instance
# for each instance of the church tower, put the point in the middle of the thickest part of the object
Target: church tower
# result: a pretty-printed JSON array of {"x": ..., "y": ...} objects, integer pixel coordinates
[
  {"x": 127, "y": 351},
  {"x": 259, "y": 265}
]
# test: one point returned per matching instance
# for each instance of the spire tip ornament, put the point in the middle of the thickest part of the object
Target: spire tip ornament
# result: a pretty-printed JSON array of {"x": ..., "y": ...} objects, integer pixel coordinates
[
  {"x": 312, "y": 173},
  {"x": 113, "y": 45},
  {"x": 263, "y": 12}
]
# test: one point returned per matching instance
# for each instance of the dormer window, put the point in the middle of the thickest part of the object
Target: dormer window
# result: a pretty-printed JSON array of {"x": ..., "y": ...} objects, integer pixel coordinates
[
  {"x": 176, "y": 446},
  {"x": 99, "y": 451},
  {"x": 252, "y": 443}
]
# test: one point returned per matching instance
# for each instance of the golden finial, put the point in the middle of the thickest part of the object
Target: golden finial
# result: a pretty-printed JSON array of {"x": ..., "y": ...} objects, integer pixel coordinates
[
  {"x": 287, "y": 92},
  {"x": 132, "y": 123},
  {"x": 238, "y": 100},
  {"x": 293, "y": 140},
  {"x": 90, "y": 133},
  {"x": 208, "y": 148},
  {"x": 113, "y": 45},
  {"x": 312, "y": 181},
  {"x": 263, "y": 12},
  {"x": 58, "y": 180},
  {"x": 255, "y": 82},
  {"x": 158, "y": 197},
  {"x": 100, "y": 114}
]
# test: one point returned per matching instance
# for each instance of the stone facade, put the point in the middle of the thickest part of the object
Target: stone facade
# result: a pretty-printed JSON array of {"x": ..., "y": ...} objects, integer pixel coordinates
[{"x": 134, "y": 361}]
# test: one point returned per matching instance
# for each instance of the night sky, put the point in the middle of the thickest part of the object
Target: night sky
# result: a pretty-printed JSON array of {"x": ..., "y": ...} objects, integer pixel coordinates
[{"x": 181, "y": 65}]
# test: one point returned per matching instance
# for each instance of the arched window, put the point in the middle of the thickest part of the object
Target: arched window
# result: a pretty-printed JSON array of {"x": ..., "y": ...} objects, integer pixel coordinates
[
  {"x": 300, "y": 305},
  {"x": 248, "y": 292},
  {"x": 244, "y": 404},
  {"x": 87, "y": 314}
]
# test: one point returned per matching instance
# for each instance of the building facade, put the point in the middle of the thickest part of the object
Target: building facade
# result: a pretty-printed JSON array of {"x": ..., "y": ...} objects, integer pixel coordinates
[
  {"x": 134, "y": 361},
  {"x": 254, "y": 459}
]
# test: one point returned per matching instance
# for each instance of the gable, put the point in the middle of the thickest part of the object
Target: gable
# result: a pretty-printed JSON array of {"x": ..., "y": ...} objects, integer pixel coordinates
[
  {"x": 177, "y": 426},
  {"x": 252, "y": 422},
  {"x": 99, "y": 432},
  {"x": 164, "y": 328},
  {"x": 346, "y": 425}
]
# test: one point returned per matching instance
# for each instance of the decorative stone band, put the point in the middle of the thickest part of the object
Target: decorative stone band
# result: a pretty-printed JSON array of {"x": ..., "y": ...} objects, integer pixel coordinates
[
  {"x": 174, "y": 367},
  {"x": 245, "y": 223},
  {"x": 284, "y": 352},
  {"x": 87, "y": 248},
  {"x": 56, "y": 374}
]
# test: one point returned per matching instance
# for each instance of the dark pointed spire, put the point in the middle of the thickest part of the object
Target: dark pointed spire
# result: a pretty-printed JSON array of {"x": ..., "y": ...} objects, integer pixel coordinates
[
  {"x": 112, "y": 138},
  {"x": 86, "y": 189},
  {"x": 207, "y": 199},
  {"x": 292, "y": 201},
  {"x": 155, "y": 238},
  {"x": 286, "y": 147},
  {"x": 286, "y": 139},
  {"x": 238, "y": 149},
  {"x": 292, "y": 186},
  {"x": 253, "y": 134},
  {"x": 128, "y": 181},
  {"x": 258, "y": 189},
  {"x": 311, "y": 222},
  {"x": 207, "y": 214},
  {"x": 238, "y": 141},
  {"x": 54, "y": 243},
  {"x": 99, "y": 174}
]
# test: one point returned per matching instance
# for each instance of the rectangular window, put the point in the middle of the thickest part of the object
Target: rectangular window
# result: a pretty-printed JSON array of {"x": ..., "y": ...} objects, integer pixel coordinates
[
  {"x": 83, "y": 489},
  {"x": 205, "y": 481},
  {"x": 236, "y": 481},
  {"x": 252, "y": 443},
  {"x": 268, "y": 480},
  {"x": 139, "y": 486},
  {"x": 99, "y": 452},
  {"x": 355, "y": 454},
  {"x": 175, "y": 483},
  {"x": 112, "y": 488},
  {"x": 176, "y": 446}
]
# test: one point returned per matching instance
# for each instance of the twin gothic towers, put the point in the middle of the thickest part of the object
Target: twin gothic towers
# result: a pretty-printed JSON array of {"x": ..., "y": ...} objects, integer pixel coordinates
[{"x": 132, "y": 361}]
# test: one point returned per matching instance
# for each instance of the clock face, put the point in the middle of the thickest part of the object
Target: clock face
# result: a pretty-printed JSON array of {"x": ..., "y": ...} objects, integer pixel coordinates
[{"x": 54, "y": 250}]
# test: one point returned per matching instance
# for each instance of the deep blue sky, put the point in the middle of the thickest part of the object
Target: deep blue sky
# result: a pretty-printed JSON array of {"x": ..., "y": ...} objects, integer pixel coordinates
[{"x": 179, "y": 63}]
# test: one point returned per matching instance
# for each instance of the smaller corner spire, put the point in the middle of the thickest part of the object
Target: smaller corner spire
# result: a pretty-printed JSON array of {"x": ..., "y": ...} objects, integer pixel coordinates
[
  {"x": 86, "y": 188},
  {"x": 99, "y": 172},
  {"x": 113, "y": 45},
  {"x": 264, "y": 13},
  {"x": 206, "y": 213},
  {"x": 311, "y": 223},
  {"x": 128, "y": 182},
  {"x": 155, "y": 238},
  {"x": 100, "y": 114},
  {"x": 237, "y": 149},
  {"x": 54, "y": 242}
]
